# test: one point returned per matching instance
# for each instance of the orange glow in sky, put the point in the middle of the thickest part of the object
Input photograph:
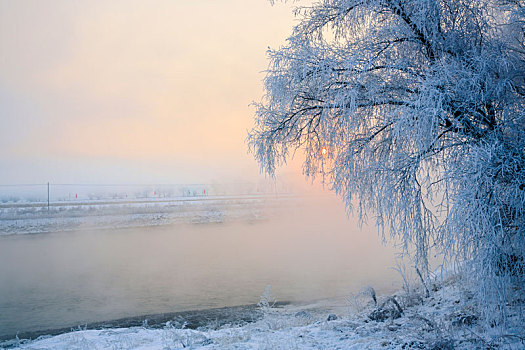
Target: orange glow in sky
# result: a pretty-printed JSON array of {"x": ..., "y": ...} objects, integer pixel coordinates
[{"x": 95, "y": 90}]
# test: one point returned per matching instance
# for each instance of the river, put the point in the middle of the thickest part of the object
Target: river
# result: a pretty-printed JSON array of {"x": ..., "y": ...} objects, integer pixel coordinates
[{"x": 305, "y": 252}]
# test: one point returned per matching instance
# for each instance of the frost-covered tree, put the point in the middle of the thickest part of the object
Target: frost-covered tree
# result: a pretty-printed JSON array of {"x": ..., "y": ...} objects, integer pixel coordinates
[{"x": 413, "y": 110}]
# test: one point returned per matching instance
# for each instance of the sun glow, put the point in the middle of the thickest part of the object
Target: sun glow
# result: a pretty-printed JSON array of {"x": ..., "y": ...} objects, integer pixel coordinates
[{"x": 324, "y": 151}]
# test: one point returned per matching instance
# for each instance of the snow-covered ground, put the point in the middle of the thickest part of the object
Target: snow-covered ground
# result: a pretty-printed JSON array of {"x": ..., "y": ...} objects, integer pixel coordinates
[
  {"x": 37, "y": 217},
  {"x": 447, "y": 319}
]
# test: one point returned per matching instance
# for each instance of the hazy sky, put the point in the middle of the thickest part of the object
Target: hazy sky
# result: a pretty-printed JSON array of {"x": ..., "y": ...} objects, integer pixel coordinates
[{"x": 132, "y": 91}]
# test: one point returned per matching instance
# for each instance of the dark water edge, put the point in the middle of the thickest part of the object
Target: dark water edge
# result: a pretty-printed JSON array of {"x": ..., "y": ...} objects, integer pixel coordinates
[{"x": 193, "y": 319}]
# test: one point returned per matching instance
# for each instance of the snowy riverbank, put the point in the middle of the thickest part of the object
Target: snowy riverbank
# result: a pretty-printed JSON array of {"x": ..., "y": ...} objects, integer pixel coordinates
[
  {"x": 447, "y": 319},
  {"x": 37, "y": 217}
]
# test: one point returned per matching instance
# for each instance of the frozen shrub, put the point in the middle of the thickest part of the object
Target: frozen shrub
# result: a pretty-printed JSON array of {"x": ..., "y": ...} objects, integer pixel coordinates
[
  {"x": 390, "y": 309},
  {"x": 267, "y": 299}
]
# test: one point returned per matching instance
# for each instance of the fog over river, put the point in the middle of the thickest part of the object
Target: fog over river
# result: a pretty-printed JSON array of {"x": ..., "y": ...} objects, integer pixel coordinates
[{"x": 307, "y": 250}]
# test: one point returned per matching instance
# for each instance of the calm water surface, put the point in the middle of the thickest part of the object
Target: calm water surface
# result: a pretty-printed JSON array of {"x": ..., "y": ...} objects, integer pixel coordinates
[{"x": 67, "y": 279}]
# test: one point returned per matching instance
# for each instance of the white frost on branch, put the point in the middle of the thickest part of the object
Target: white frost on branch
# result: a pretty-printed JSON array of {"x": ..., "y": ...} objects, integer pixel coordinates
[{"x": 420, "y": 106}]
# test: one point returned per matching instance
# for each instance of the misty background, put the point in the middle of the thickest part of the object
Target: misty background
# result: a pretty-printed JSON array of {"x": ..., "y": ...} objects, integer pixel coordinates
[{"x": 132, "y": 91}]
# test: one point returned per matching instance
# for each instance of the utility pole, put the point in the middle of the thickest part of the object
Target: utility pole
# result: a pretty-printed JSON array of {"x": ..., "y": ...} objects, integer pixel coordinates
[{"x": 48, "y": 196}]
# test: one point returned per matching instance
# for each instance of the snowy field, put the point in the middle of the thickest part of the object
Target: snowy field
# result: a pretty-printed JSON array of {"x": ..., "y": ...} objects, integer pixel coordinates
[
  {"x": 447, "y": 319},
  {"x": 36, "y": 217}
]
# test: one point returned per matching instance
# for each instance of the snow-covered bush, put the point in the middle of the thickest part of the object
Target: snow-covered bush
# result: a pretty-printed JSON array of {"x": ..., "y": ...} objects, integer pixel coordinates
[
  {"x": 413, "y": 109},
  {"x": 267, "y": 300}
]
